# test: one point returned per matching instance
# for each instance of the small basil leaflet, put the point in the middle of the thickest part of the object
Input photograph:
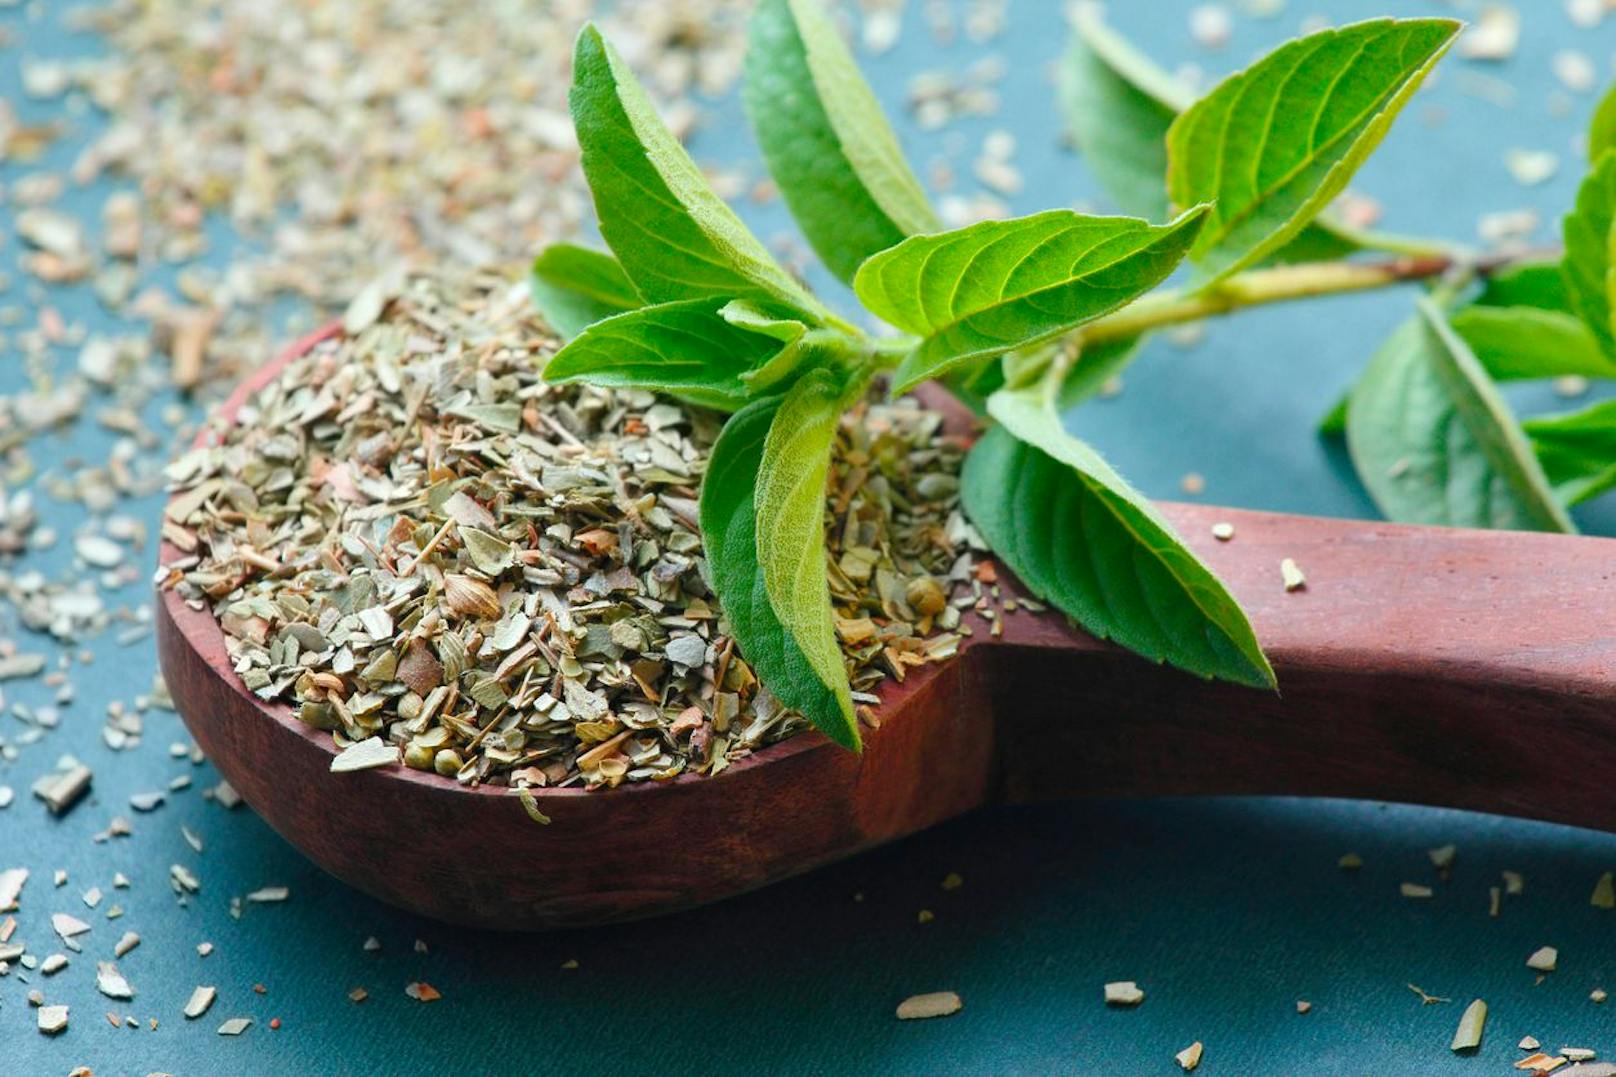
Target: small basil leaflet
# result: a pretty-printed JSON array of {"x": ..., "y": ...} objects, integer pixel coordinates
[
  {"x": 1577, "y": 450},
  {"x": 1078, "y": 536},
  {"x": 1589, "y": 264},
  {"x": 997, "y": 286},
  {"x": 1434, "y": 441},
  {"x": 1602, "y": 128},
  {"x": 574, "y": 287},
  {"x": 688, "y": 349},
  {"x": 1528, "y": 342},
  {"x": 1272, "y": 145}
]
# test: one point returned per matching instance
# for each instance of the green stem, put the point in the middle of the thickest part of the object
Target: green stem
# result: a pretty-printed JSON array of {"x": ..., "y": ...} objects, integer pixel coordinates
[{"x": 1262, "y": 286}]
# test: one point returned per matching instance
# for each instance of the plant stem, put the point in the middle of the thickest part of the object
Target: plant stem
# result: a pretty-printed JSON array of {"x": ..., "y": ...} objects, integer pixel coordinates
[{"x": 1261, "y": 286}]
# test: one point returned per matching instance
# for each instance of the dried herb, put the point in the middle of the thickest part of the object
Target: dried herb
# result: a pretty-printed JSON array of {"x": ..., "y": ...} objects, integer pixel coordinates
[{"x": 449, "y": 562}]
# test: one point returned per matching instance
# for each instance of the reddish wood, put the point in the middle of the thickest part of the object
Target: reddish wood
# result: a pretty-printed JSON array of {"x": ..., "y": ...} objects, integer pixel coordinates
[{"x": 1460, "y": 668}]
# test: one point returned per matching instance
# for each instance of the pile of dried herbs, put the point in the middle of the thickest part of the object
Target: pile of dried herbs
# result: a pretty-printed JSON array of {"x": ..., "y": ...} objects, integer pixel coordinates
[{"x": 411, "y": 536}]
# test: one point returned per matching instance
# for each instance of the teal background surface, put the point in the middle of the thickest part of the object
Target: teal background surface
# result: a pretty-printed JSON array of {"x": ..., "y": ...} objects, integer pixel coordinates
[{"x": 1226, "y": 912}]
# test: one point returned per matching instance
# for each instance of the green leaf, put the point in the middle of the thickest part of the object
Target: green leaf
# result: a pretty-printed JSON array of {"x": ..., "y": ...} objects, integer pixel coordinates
[
  {"x": 1590, "y": 274},
  {"x": 730, "y": 527},
  {"x": 1527, "y": 284},
  {"x": 791, "y": 529},
  {"x": 1334, "y": 423},
  {"x": 573, "y": 287},
  {"x": 1435, "y": 443},
  {"x": 1001, "y": 285},
  {"x": 1081, "y": 538},
  {"x": 825, "y": 139},
  {"x": 1118, "y": 107},
  {"x": 1098, "y": 364},
  {"x": 799, "y": 345},
  {"x": 1577, "y": 450},
  {"x": 1602, "y": 129},
  {"x": 1274, "y": 144},
  {"x": 1526, "y": 342},
  {"x": 675, "y": 238},
  {"x": 687, "y": 349}
]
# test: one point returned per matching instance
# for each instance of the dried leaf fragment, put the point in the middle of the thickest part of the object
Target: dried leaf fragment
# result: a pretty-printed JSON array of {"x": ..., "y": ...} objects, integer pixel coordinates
[
  {"x": 1123, "y": 993},
  {"x": 1543, "y": 959},
  {"x": 67, "y": 925},
  {"x": 110, "y": 982},
  {"x": 52, "y": 1019},
  {"x": 467, "y": 597},
  {"x": 1604, "y": 895},
  {"x": 199, "y": 1002},
  {"x": 931, "y": 1004},
  {"x": 421, "y": 991},
  {"x": 1291, "y": 573},
  {"x": 372, "y": 752},
  {"x": 1467, "y": 1037}
]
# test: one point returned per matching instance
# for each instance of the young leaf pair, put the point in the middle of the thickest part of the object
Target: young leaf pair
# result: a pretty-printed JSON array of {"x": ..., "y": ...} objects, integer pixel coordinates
[{"x": 693, "y": 304}]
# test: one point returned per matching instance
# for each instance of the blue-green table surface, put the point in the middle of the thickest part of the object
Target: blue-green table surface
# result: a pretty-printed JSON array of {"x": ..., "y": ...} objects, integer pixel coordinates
[{"x": 1226, "y": 912}]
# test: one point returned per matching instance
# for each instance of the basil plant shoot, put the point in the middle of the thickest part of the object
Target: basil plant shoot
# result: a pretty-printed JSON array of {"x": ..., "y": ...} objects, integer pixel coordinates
[{"x": 1229, "y": 193}]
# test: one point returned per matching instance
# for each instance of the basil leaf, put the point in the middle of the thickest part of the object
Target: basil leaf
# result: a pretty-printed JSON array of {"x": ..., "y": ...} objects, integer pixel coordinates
[
  {"x": 1334, "y": 423},
  {"x": 675, "y": 238},
  {"x": 1526, "y": 342},
  {"x": 825, "y": 139},
  {"x": 731, "y": 526},
  {"x": 1118, "y": 107},
  {"x": 1435, "y": 443},
  {"x": 800, "y": 346},
  {"x": 1272, "y": 145},
  {"x": 1082, "y": 539},
  {"x": 1527, "y": 284},
  {"x": 1577, "y": 450},
  {"x": 1602, "y": 128},
  {"x": 687, "y": 349},
  {"x": 997, "y": 286},
  {"x": 1097, "y": 364},
  {"x": 1590, "y": 276},
  {"x": 574, "y": 287}
]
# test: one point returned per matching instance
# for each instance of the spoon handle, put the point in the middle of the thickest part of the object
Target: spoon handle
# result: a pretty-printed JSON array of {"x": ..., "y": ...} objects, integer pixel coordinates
[{"x": 1470, "y": 669}]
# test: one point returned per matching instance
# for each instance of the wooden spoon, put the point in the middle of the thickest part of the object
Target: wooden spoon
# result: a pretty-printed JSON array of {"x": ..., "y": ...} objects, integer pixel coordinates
[{"x": 1470, "y": 669}]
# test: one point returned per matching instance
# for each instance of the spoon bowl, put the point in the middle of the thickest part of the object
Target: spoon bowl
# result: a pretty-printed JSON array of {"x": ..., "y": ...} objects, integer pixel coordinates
[{"x": 1467, "y": 669}]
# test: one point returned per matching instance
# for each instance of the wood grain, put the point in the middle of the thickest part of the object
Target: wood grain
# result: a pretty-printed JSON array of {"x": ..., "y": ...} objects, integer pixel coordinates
[{"x": 1459, "y": 668}]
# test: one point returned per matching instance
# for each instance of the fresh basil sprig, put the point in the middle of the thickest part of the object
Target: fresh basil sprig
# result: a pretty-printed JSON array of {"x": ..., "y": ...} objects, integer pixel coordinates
[{"x": 1019, "y": 317}]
